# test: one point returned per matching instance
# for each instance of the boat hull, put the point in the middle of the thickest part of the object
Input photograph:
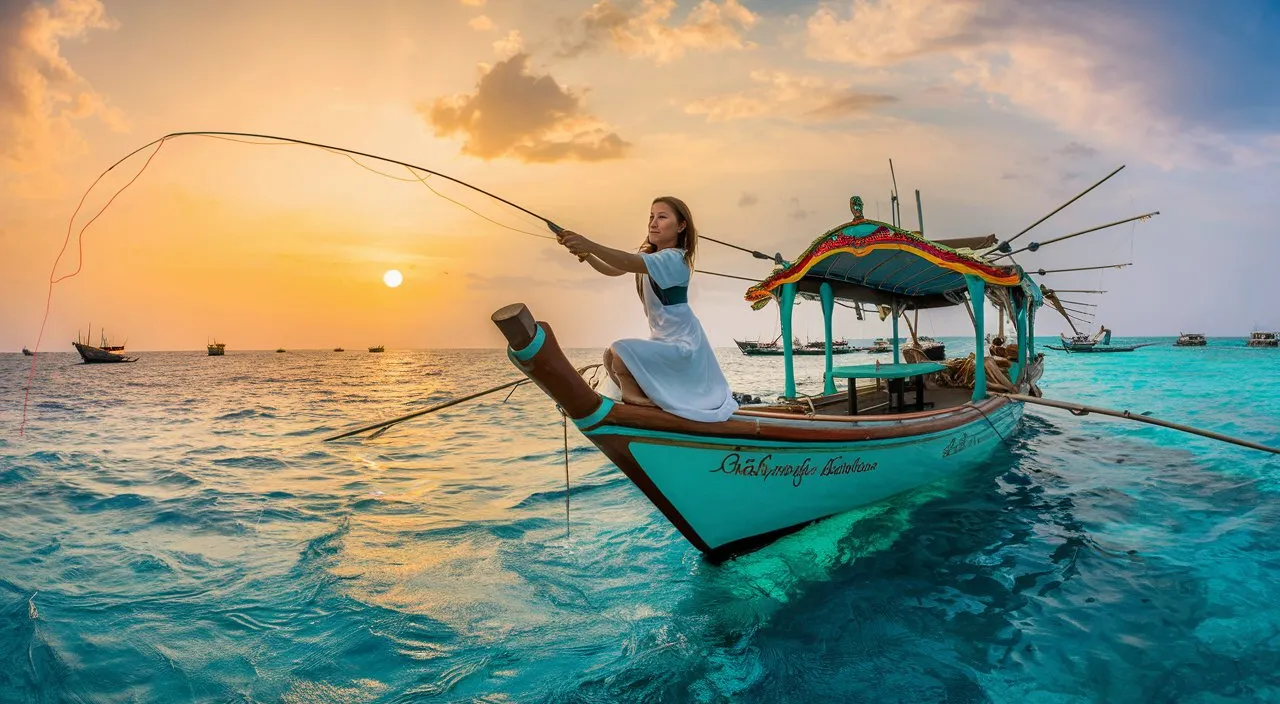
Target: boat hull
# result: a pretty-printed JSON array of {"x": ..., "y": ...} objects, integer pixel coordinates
[
  {"x": 798, "y": 352},
  {"x": 730, "y": 495},
  {"x": 97, "y": 355}
]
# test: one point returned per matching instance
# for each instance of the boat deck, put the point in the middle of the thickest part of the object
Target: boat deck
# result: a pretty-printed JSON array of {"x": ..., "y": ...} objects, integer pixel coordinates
[{"x": 873, "y": 400}]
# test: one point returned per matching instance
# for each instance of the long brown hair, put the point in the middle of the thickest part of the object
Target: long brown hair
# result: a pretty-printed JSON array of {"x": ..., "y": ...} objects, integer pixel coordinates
[{"x": 686, "y": 240}]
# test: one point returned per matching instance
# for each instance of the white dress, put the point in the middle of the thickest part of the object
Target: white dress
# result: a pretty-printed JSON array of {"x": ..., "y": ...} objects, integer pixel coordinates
[{"x": 676, "y": 367}]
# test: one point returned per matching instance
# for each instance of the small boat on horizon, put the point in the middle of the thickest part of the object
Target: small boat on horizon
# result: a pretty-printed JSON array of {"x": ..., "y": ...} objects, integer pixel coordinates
[
  {"x": 379, "y": 348},
  {"x": 28, "y": 352},
  {"x": 1263, "y": 339},
  {"x": 338, "y": 349},
  {"x": 217, "y": 349},
  {"x": 279, "y": 350},
  {"x": 103, "y": 353},
  {"x": 1190, "y": 339}
]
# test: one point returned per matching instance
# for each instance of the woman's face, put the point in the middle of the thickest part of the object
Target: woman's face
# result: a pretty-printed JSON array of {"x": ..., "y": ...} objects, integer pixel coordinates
[{"x": 664, "y": 226}]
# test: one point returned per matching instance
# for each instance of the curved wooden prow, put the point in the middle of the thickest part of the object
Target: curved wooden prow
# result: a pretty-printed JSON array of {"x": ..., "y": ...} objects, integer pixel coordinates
[{"x": 534, "y": 350}]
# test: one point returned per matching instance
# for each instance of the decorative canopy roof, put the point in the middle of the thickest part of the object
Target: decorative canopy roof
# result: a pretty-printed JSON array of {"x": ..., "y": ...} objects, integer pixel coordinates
[{"x": 871, "y": 261}]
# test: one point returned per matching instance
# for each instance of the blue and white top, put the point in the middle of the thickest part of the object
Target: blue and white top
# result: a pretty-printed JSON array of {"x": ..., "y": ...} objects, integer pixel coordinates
[{"x": 676, "y": 366}]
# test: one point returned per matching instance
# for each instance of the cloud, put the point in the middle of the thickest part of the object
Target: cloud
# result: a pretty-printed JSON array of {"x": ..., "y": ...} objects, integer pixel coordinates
[
  {"x": 1130, "y": 76},
  {"x": 481, "y": 23},
  {"x": 41, "y": 95},
  {"x": 1077, "y": 150},
  {"x": 747, "y": 200},
  {"x": 509, "y": 45},
  {"x": 796, "y": 212},
  {"x": 643, "y": 31},
  {"x": 514, "y": 113},
  {"x": 780, "y": 94}
]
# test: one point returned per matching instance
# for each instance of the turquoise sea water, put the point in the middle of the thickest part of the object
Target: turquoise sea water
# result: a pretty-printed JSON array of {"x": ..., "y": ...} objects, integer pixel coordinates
[{"x": 174, "y": 530}]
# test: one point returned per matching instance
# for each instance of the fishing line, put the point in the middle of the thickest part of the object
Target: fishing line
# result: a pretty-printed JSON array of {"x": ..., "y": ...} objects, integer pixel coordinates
[{"x": 231, "y": 136}]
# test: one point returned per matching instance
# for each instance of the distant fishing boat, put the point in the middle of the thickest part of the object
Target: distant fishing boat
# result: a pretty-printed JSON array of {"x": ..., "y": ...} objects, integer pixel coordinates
[
  {"x": 217, "y": 349},
  {"x": 379, "y": 348},
  {"x": 103, "y": 353},
  {"x": 1263, "y": 339},
  {"x": 28, "y": 352},
  {"x": 279, "y": 350},
  {"x": 338, "y": 349},
  {"x": 1096, "y": 343},
  {"x": 812, "y": 348},
  {"x": 880, "y": 346},
  {"x": 1190, "y": 339}
]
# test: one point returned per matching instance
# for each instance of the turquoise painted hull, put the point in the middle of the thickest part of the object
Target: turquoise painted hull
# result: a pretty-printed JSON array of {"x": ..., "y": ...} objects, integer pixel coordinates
[{"x": 730, "y": 491}]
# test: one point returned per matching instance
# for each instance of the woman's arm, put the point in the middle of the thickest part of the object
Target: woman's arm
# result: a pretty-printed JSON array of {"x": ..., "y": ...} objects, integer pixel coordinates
[
  {"x": 600, "y": 266},
  {"x": 615, "y": 259}
]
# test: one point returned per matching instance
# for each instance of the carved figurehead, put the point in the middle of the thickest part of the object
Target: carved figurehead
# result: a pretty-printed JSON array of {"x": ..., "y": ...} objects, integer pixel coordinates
[{"x": 855, "y": 206}]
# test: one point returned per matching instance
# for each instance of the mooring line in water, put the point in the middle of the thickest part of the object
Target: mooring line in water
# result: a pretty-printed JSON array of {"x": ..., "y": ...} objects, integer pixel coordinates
[
  {"x": 564, "y": 418},
  {"x": 1083, "y": 410}
]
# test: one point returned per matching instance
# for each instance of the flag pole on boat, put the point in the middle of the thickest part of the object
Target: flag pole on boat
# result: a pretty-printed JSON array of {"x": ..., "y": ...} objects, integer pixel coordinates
[{"x": 1083, "y": 410}]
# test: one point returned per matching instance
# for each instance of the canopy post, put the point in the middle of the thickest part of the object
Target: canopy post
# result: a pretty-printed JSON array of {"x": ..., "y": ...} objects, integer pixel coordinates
[
  {"x": 828, "y": 306},
  {"x": 1031, "y": 333},
  {"x": 977, "y": 288},
  {"x": 1020, "y": 323},
  {"x": 787, "y": 303},
  {"x": 896, "y": 358}
]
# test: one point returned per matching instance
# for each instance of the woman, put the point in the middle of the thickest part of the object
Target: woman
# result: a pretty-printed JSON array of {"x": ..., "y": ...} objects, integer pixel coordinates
[{"x": 675, "y": 369}]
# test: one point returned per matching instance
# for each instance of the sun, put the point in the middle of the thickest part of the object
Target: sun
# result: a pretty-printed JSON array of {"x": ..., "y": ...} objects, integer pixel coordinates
[{"x": 393, "y": 278}]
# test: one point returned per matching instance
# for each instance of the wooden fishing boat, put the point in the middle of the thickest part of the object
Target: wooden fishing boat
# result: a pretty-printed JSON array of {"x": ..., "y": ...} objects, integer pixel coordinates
[
  {"x": 1097, "y": 343},
  {"x": 1190, "y": 339},
  {"x": 797, "y": 348},
  {"x": 103, "y": 353},
  {"x": 733, "y": 486},
  {"x": 379, "y": 348},
  {"x": 338, "y": 349},
  {"x": 217, "y": 349},
  {"x": 1263, "y": 339}
]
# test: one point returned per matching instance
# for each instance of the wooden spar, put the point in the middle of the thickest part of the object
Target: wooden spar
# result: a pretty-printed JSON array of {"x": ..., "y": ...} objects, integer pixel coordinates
[
  {"x": 1042, "y": 272},
  {"x": 1075, "y": 290},
  {"x": 1060, "y": 207},
  {"x": 1034, "y": 246},
  {"x": 894, "y": 204},
  {"x": 1078, "y": 303},
  {"x": 439, "y": 406},
  {"x": 919, "y": 213},
  {"x": 1081, "y": 410}
]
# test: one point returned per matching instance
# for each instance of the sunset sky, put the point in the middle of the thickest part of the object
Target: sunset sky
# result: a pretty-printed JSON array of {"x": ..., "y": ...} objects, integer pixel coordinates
[{"x": 764, "y": 116}]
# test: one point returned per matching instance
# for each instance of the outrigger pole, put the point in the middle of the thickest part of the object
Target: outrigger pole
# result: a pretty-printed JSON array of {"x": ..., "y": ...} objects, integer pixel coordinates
[
  {"x": 1083, "y": 410},
  {"x": 1034, "y": 246},
  {"x": 383, "y": 425},
  {"x": 1004, "y": 245}
]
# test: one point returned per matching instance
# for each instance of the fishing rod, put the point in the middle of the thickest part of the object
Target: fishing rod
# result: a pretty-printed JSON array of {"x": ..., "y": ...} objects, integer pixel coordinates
[
  {"x": 1034, "y": 246},
  {"x": 1083, "y": 410},
  {"x": 1005, "y": 245},
  {"x": 555, "y": 229}
]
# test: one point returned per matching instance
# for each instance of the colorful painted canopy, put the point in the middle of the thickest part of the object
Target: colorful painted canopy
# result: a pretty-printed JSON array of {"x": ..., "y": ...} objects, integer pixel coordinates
[{"x": 871, "y": 261}]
